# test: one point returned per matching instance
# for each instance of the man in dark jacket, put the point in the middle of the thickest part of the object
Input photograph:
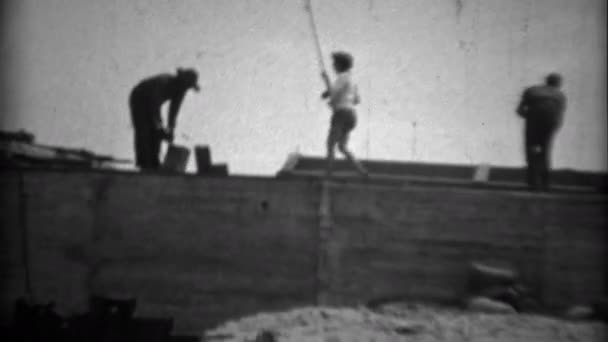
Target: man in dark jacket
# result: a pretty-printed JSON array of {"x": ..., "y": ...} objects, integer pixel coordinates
[
  {"x": 543, "y": 109},
  {"x": 145, "y": 102}
]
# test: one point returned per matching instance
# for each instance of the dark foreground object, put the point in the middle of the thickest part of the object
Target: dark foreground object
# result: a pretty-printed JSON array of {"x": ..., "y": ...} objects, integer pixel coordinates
[
  {"x": 107, "y": 320},
  {"x": 600, "y": 309}
]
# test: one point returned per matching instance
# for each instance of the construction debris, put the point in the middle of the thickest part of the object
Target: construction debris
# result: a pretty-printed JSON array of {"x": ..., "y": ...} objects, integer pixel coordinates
[
  {"x": 579, "y": 312},
  {"x": 307, "y": 324},
  {"x": 487, "y": 305},
  {"x": 402, "y": 322},
  {"x": 17, "y": 149}
]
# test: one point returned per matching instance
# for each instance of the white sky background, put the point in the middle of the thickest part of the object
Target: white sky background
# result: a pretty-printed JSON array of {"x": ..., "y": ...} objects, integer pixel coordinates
[{"x": 454, "y": 68}]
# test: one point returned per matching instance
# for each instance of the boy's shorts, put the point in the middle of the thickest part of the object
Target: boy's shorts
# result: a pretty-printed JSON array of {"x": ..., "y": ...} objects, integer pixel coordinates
[{"x": 344, "y": 120}]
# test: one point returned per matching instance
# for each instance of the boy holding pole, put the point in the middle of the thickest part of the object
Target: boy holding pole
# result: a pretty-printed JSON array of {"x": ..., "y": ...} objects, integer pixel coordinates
[{"x": 342, "y": 95}]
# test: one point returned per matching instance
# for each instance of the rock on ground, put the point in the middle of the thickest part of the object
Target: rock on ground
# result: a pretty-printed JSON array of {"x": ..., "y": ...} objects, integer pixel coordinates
[{"x": 482, "y": 304}]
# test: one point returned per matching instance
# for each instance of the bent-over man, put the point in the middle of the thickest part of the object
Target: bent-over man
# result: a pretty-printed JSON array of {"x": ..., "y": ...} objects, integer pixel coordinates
[{"x": 145, "y": 102}]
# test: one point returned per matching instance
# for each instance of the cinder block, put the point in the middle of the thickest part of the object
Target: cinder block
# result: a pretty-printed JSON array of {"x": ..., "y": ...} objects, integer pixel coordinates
[
  {"x": 481, "y": 173},
  {"x": 218, "y": 170},
  {"x": 203, "y": 158}
]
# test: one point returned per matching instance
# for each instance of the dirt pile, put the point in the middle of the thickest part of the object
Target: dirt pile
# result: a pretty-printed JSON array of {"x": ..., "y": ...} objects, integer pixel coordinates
[{"x": 403, "y": 322}]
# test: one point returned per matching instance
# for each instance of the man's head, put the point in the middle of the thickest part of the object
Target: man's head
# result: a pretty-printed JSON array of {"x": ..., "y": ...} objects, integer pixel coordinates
[
  {"x": 343, "y": 61},
  {"x": 554, "y": 80},
  {"x": 188, "y": 78}
]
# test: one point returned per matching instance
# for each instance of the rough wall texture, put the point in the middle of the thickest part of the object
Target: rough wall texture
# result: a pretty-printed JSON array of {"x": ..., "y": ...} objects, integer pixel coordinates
[
  {"x": 417, "y": 242},
  {"x": 198, "y": 250},
  {"x": 205, "y": 249},
  {"x": 12, "y": 276}
]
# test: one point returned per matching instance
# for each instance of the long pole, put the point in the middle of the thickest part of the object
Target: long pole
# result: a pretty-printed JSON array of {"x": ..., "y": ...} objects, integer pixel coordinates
[{"x": 313, "y": 25}]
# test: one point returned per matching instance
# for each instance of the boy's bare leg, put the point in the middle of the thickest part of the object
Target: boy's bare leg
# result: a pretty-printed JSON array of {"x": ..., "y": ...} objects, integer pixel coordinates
[{"x": 351, "y": 158}]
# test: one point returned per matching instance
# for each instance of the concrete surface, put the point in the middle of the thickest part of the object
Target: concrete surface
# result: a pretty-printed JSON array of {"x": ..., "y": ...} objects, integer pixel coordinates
[{"x": 202, "y": 250}]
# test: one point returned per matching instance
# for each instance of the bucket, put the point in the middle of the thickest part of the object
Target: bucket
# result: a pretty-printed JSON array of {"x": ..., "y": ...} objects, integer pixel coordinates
[
  {"x": 218, "y": 170},
  {"x": 176, "y": 158}
]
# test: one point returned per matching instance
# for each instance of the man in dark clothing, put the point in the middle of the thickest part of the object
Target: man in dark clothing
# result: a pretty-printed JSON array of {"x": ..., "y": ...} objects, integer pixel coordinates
[
  {"x": 543, "y": 109},
  {"x": 145, "y": 103}
]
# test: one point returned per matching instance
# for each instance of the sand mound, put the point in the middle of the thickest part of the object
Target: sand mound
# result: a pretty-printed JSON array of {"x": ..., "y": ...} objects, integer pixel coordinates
[{"x": 404, "y": 322}]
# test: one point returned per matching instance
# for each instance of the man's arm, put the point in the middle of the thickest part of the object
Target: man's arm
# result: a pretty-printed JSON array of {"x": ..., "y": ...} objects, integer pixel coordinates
[
  {"x": 522, "y": 108},
  {"x": 562, "y": 110},
  {"x": 327, "y": 82},
  {"x": 157, "y": 121},
  {"x": 174, "y": 106}
]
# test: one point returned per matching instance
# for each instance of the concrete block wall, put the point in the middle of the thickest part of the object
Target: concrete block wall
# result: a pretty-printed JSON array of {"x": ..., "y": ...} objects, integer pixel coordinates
[
  {"x": 199, "y": 250},
  {"x": 202, "y": 250},
  {"x": 12, "y": 275},
  {"x": 416, "y": 242}
]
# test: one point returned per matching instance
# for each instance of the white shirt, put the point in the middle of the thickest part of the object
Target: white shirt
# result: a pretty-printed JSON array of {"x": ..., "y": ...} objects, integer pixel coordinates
[{"x": 343, "y": 93}]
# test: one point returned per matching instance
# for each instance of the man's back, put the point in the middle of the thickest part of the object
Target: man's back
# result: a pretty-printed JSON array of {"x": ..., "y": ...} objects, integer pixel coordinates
[
  {"x": 544, "y": 100},
  {"x": 542, "y": 107},
  {"x": 155, "y": 90}
]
